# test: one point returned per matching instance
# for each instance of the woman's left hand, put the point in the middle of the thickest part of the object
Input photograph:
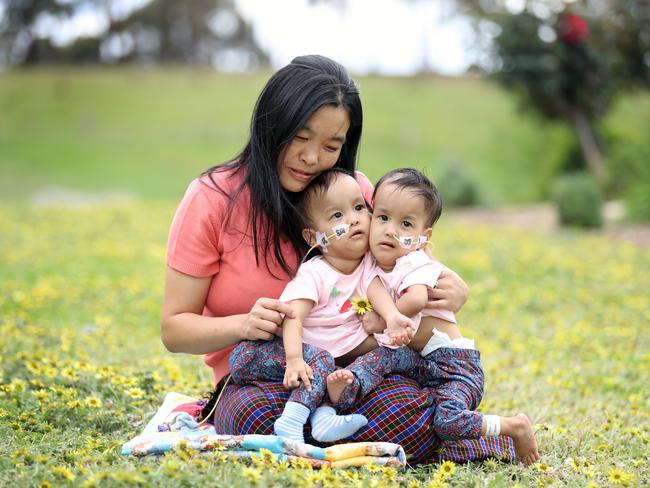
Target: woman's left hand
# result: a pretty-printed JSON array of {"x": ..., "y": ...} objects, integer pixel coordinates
[{"x": 450, "y": 293}]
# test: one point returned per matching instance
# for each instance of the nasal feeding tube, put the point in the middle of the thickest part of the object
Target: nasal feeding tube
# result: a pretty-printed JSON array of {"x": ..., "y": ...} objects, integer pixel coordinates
[
  {"x": 407, "y": 242},
  {"x": 323, "y": 240}
]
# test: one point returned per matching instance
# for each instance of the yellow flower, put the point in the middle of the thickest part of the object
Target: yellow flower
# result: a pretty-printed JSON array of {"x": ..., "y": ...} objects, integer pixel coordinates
[
  {"x": 72, "y": 404},
  {"x": 93, "y": 402},
  {"x": 45, "y": 484},
  {"x": 135, "y": 392},
  {"x": 252, "y": 475},
  {"x": 361, "y": 305},
  {"x": 447, "y": 468},
  {"x": 619, "y": 477},
  {"x": 63, "y": 472}
]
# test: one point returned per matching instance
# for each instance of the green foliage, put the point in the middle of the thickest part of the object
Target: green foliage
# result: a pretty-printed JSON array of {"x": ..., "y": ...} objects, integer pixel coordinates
[
  {"x": 637, "y": 201},
  {"x": 578, "y": 200},
  {"x": 457, "y": 187}
]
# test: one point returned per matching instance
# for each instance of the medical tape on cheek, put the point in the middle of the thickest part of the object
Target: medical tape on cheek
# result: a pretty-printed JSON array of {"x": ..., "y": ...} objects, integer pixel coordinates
[
  {"x": 422, "y": 240},
  {"x": 340, "y": 230},
  {"x": 322, "y": 241},
  {"x": 405, "y": 242}
]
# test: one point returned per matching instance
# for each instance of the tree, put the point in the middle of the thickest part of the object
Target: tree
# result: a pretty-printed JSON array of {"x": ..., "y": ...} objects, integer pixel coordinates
[
  {"x": 160, "y": 31},
  {"x": 568, "y": 61}
]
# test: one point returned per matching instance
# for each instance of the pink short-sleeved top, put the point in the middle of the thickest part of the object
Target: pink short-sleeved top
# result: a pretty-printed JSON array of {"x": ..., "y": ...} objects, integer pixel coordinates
[
  {"x": 332, "y": 324},
  {"x": 415, "y": 268},
  {"x": 204, "y": 242}
]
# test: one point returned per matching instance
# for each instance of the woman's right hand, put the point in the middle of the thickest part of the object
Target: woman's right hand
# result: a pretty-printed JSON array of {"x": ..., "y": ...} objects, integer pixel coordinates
[{"x": 265, "y": 318}]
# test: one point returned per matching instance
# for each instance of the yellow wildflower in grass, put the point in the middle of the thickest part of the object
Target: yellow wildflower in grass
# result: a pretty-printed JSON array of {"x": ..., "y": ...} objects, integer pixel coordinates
[
  {"x": 63, "y": 472},
  {"x": 413, "y": 484},
  {"x": 72, "y": 404},
  {"x": 93, "y": 402},
  {"x": 619, "y": 477},
  {"x": 45, "y": 484},
  {"x": 252, "y": 475},
  {"x": 135, "y": 393},
  {"x": 447, "y": 468},
  {"x": 542, "y": 467},
  {"x": 361, "y": 305},
  {"x": 90, "y": 482}
]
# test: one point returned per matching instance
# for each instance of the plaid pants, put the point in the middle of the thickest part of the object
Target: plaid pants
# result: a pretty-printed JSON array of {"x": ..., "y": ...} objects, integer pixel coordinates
[
  {"x": 398, "y": 411},
  {"x": 252, "y": 361}
]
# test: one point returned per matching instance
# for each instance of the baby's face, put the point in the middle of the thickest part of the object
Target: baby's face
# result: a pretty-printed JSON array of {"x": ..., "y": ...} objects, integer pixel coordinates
[
  {"x": 397, "y": 213},
  {"x": 341, "y": 203}
]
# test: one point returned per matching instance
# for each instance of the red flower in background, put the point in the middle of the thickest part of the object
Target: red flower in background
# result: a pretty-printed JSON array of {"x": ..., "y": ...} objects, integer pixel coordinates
[{"x": 573, "y": 28}]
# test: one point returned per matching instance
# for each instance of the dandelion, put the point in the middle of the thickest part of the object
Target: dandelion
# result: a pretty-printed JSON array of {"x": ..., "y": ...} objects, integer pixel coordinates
[
  {"x": 45, "y": 484},
  {"x": 72, "y": 404},
  {"x": 93, "y": 402},
  {"x": 619, "y": 477},
  {"x": 63, "y": 472},
  {"x": 361, "y": 305},
  {"x": 543, "y": 467}
]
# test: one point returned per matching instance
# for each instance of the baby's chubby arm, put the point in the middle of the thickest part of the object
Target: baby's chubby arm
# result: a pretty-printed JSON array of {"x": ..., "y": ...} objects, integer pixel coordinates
[
  {"x": 296, "y": 368},
  {"x": 413, "y": 300},
  {"x": 400, "y": 327}
]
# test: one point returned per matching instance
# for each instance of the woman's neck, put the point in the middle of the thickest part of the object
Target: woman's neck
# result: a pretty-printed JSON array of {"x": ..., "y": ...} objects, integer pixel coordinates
[{"x": 341, "y": 264}]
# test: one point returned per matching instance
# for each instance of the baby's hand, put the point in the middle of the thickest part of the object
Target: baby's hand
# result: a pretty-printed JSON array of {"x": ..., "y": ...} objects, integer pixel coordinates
[
  {"x": 297, "y": 370},
  {"x": 400, "y": 329},
  {"x": 373, "y": 323}
]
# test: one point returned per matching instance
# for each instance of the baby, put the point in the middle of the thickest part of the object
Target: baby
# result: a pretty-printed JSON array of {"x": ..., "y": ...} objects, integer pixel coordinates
[
  {"x": 326, "y": 324},
  {"x": 406, "y": 206}
]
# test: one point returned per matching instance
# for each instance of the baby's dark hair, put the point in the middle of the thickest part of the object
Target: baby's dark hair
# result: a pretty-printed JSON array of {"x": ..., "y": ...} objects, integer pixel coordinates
[
  {"x": 320, "y": 184},
  {"x": 417, "y": 183}
]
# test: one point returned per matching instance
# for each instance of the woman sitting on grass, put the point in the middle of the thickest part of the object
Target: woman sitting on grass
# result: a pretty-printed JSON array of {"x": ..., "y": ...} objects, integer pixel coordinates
[{"x": 235, "y": 242}]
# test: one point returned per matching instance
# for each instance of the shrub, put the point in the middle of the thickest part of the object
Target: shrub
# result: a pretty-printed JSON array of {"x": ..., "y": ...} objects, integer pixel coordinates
[
  {"x": 578, "y": 200},
  {"x": 457, "y": 187},
  {"x": 637, "y": 201}
]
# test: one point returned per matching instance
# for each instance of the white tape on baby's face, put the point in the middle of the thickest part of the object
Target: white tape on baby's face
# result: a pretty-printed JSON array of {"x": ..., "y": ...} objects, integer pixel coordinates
[
  {"x": 340, "y": 230},
  {"x": 322, "y": 241},
  {"x": 407, "y": 242},
  {"x": 422, "y": 240}
]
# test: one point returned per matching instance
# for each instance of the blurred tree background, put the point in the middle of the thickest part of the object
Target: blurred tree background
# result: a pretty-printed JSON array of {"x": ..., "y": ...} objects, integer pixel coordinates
[{"x": 580, "y": 70}]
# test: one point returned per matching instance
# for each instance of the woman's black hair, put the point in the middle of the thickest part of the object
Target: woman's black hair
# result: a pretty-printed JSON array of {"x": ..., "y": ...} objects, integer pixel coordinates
[{"x": 289, "y": 99}]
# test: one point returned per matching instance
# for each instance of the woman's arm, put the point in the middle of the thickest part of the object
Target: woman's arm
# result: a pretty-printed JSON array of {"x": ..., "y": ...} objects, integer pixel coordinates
[
  {"x": 184, "y": 329},
  {"x": 450, "y": 293}
]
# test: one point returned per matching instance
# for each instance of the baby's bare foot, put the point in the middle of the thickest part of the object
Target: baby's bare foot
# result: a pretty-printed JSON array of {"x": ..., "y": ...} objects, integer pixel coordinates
[
  {"x": 336, "y": 383},
  {"x": 523, "y": 438}
]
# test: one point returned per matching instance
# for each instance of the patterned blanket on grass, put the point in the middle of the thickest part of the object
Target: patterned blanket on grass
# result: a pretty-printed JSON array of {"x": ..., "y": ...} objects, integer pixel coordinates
[{"x": 170, "y": 428}]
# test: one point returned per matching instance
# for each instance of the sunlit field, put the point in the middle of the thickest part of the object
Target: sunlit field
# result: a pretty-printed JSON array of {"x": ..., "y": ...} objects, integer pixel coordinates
[{"x": 562, "y": 322}]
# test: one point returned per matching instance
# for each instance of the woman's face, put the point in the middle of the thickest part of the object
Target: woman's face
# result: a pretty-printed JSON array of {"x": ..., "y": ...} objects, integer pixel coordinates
[{"x": 315, "y": 148}]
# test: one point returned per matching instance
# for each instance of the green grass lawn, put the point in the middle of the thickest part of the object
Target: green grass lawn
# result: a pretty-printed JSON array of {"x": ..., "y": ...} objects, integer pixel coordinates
[
  {"x": 561, "y": 320},
  {"x": 150, "y": 132}
]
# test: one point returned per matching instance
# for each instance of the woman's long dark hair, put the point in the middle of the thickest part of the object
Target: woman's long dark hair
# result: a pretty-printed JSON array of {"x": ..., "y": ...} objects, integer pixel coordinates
[{"x": 288, "y": 100}]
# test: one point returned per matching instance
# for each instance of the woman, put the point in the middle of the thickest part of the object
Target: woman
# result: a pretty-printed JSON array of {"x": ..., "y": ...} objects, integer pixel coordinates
[{"x": 235, "y": 242}]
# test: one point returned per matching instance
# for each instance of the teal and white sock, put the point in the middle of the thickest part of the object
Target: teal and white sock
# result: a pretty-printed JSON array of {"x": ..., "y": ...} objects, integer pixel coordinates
[
  {"x": 326, "y": 426},
  {"x": 291, "y": 422}
]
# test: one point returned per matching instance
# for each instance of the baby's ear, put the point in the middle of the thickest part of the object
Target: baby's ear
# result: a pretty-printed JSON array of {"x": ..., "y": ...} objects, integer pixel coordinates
[
  {"x": 428, "y": 233},
  {"x": 309, "y": 235}
]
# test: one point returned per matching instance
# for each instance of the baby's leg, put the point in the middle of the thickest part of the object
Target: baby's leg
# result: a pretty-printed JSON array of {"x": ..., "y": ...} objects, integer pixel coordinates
[
  {"x": 303, "y": 402},
  {"x": 257, "y": 361},
  {"x": 369, "y": 371},
  {"x": 459, "y": 395}
]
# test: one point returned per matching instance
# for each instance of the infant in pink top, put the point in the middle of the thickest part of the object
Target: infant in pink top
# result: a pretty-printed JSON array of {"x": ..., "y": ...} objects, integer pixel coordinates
[{"x": 333, "y": 323}]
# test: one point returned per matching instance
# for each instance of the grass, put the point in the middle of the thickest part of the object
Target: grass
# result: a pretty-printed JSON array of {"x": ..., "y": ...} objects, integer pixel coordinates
[
  {"x": 150, "y": 132},
  {"x": 561, "y": 321}
]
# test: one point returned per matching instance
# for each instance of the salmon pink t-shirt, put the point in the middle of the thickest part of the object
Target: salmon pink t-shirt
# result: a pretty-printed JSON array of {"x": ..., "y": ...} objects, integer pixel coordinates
[{"x": 205, "y": 241}]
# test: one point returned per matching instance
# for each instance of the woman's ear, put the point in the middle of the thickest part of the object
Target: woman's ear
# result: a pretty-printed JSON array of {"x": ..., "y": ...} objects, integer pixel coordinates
[{"x": 309, "y": 235}]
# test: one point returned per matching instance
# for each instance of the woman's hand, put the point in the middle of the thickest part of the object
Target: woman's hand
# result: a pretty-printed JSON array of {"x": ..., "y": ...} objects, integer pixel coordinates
[
  {"x": 265, "y": 318},
  {"x": 297, "y": 370},
  {"x": 450, "y": 293}
]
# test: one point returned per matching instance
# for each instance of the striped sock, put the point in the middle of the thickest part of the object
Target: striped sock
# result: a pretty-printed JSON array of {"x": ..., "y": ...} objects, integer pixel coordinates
[
  {"x": 326, "y": 426},
  {"x": 291, "y": 422}
]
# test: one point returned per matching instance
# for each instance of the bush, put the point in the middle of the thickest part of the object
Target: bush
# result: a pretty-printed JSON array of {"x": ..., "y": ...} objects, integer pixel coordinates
[
  {"x": 578, "y": 200},
  {"x": 637, "y": 201},
  {"x": 457, "y": 187}
]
